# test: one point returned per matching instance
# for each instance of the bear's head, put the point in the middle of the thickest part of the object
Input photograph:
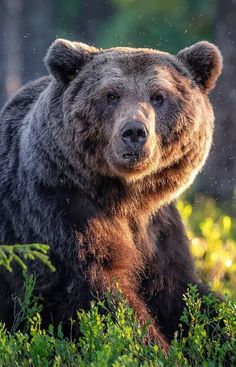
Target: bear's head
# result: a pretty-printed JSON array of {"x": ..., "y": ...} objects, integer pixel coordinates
[{"x": 138, "y": 116}]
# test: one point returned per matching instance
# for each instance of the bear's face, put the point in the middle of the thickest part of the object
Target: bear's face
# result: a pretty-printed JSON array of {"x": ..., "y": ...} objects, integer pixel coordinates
[
  {"x": 136, "y": 113},
  {"x": 133, "y": 106}
]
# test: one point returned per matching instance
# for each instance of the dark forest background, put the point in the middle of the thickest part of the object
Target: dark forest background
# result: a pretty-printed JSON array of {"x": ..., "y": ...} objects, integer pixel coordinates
[{"x": 29, "y": 26}]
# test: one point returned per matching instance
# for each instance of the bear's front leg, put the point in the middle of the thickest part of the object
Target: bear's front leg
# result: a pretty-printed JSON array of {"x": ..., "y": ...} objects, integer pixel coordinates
[{"x": 109, "y": 257}]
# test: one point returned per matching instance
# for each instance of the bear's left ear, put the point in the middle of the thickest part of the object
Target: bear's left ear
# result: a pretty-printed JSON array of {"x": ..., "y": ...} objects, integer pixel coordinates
[
  {"x": 65, "y": 58},
  {"x": 204, "y": 62}
]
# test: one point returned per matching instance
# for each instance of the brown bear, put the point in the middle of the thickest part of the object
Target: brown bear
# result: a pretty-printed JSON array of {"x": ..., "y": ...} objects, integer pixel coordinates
[{"x": 92, "y": 159}]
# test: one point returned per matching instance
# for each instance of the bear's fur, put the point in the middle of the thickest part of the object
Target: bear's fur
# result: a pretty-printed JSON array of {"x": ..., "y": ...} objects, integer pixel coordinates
[{"x": 92, "y": 158}]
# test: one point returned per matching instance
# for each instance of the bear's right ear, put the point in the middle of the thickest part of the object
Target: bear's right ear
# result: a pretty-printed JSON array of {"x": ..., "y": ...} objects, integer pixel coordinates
[{"x": 65, "y": 58}]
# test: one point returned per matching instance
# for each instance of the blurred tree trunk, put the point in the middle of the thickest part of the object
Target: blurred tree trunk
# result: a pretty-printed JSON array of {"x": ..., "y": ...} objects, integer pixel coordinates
[
  {"x": 26, "y": 34},
  {"x": 11, "y": 60},
  {"x": 37, "y": 28},
  {"x": 219, "y": 177}
]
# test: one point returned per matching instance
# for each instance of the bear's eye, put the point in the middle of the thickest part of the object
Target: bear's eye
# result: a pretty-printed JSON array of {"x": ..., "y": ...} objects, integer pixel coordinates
[
  {"x": 157, "y": 99},
  {"x": 112, "y": 98}
]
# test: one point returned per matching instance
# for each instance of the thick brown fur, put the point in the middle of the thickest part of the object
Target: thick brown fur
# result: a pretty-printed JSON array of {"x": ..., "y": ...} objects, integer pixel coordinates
[{"x": 104, "y": 147}]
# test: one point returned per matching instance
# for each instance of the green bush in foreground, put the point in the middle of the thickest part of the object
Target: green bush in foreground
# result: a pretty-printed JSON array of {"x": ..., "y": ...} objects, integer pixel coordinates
[
  {"x": 19, "y": 254},
  {"x": 114, "y": 338}
]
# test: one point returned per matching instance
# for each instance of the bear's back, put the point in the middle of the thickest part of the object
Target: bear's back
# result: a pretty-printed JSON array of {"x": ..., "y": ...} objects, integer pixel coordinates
[
  {"x": 12, "y": 119},
  {"x": 13, "y": 114},
  {"x": 19, "y": 105}
]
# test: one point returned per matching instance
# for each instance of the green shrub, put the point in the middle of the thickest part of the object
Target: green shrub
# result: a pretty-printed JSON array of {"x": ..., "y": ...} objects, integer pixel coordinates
[
  {"x": 22, "y": 253},
  {"x": 115, "y": 339},
  {"x": 212, "y": 233}
]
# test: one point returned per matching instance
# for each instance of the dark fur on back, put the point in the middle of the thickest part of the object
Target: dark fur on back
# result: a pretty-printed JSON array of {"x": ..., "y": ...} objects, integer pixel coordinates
[{"x": 103, "y": 205}]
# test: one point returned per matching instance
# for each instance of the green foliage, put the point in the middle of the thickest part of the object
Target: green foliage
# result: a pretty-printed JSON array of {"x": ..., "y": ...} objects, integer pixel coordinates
[
  {"x": 212, "y": 234},
  {"x": 211, "y": 334},
  {"x": 168, "y": 25},
  {"x": 29, "y": 306},
  {"x": 65, "y": 17},
  {"x": 22, "y": 253},
  {"x": 114, "y": 339}
]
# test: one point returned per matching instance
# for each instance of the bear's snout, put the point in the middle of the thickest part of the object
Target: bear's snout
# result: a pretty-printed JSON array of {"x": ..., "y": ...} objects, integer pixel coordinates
[
  {"x": 133, "y": 151},
  {"x": 134, "y": 135}
]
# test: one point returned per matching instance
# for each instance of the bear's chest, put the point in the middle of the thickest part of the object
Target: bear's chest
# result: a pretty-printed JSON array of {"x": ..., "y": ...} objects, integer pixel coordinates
[{"x": 114, "y": 248}]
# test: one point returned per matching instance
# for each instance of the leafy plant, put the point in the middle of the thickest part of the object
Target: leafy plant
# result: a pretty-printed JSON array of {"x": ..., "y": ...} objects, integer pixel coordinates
[
  {"x": 111, "y": 339},
  {"x": 211, "y": 231},
  {"x": 29, "y": 306},
  {"x": 21, "y": 253}
]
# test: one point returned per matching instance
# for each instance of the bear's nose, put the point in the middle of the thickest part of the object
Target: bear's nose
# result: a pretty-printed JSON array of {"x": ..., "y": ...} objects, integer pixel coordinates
[{"x": 134, "y": 133}]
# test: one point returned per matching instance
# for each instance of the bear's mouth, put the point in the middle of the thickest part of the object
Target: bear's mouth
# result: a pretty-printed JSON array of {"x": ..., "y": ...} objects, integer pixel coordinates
[
  {"x": 132, "y": 164},
  {"x": 133, "y": 158}
]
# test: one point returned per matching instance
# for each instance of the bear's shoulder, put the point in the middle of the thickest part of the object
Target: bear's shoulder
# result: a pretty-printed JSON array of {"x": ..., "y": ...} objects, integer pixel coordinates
[
  {"x": 22, "y": 100},
  {"x": 13, "y": 115}
]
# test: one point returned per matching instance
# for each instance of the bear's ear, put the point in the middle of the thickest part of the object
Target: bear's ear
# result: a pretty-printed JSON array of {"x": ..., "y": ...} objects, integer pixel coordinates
[
  {"x": 204, "y": 62},
  {"x": 65, "y": 58}
]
